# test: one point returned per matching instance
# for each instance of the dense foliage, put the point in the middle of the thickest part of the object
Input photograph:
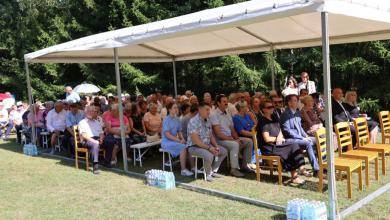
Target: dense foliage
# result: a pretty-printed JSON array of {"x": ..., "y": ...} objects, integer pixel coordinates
[{"x": 29, "y": 25}]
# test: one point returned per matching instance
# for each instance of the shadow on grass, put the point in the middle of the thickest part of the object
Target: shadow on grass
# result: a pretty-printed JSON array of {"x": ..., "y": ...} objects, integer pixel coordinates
[
  {"x": 153, "y": 160},
  {"x": 279, "y": 216}
]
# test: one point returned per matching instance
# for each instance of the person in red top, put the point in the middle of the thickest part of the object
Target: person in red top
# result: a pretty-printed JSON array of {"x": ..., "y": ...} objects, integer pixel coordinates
[{"x": 112, "y": 141}]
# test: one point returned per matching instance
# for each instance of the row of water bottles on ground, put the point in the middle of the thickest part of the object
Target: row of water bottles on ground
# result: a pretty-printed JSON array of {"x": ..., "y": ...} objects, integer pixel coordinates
[
  {"x": 303, "y": 209},
  {"x": 30, "y": 150},
  {"x": 160, "y": 179}
]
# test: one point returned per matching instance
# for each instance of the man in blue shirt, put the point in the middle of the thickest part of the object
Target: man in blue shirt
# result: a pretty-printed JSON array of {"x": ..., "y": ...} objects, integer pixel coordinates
[
  {"x": 71, "y": 96},
  {"x": 73, "y": 117},
  {"x": 290, "y": 123}
]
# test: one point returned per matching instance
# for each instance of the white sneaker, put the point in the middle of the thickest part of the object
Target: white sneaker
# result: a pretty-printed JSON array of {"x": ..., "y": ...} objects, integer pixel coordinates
[
  {"x": 186, "y": 172},
  {"x": 209, "y": 178},
  {"x": 216, "y": 175},
  {"x": 193, "y": 170}
]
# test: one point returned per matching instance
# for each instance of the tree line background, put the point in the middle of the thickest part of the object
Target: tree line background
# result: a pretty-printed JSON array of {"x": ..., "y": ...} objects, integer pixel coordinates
[{"x": 30, "y": 25}]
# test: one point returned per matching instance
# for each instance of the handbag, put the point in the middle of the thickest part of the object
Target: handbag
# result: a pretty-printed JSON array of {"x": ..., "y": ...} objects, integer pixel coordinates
[{"x": 152, "y": 138}]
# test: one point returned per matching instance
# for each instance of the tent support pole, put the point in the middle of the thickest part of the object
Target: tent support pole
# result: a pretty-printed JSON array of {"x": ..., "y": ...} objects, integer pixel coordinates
[
  {"x": 328, "y": 118},
  {"x": 174, "y": 76},
  {"x": 119, "y": 94},
  {"x": 30, "y": 102},
  {"x": 273, "y": 67}
]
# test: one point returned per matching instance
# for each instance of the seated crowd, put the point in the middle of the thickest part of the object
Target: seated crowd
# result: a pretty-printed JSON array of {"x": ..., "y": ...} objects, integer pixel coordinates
[{"x": 213, "y": 130}]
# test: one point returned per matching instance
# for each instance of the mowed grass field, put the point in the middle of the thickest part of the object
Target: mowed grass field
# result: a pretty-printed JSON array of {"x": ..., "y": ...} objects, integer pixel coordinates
[{"x": 47, "y": 188}]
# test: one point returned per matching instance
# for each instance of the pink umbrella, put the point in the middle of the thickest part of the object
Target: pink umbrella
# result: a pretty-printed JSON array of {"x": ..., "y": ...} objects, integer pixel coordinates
[{"x": 4, "y": 96}]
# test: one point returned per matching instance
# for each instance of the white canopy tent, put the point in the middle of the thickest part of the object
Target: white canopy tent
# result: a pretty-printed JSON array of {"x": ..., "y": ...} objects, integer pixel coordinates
[{"x": 253, "y": 26}]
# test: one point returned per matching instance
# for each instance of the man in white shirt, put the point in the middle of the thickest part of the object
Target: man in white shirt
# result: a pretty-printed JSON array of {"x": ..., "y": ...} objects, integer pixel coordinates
[
  {"x": 15, "y": 117},
  {"x": 56, "y": 123},
  {"x": 226, "y": 136},
  {"x": 91, "y": 134},
  {"x": 4, "y": 121},
  {"x": 71, "y": 96},
  {"x": 306, "y": 84}
]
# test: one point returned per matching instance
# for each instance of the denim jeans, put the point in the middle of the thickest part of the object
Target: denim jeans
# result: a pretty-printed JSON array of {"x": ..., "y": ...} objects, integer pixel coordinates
[{"x": 310, "y": 147}]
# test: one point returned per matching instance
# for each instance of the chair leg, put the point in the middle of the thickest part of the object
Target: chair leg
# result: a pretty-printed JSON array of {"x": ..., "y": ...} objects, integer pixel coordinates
[
  {"x": 170, "y": 161},
  {"x": 257, "y": 169},
  {"x": 320, "y": 180},
  {"x": 196, "y": 167},
  {"x": 134, "y": 157},
  {"x": 87, "y": 160},
  {"x": 367, "y": 172},
  {"x": 140, "y": 158},
  {"x": 204, "y": 170},
  {"x": 280, "y": 180},
  {"x": 349, "y": 184},
  {"x": 163, "y": 165},
  {"x": 384, "y": 163},
  {"x": 377, "y": 169},
  {"x": 360, "y": 179},
  {"x": 76, "y": 160}
]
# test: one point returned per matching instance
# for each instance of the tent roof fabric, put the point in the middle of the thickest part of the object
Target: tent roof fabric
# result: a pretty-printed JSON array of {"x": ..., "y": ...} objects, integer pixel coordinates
[{"x": 252, "y": 26}]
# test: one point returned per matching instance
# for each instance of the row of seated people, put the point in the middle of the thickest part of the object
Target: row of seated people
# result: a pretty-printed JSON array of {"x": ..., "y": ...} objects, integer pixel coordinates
[{"x": 230, "y": 128}]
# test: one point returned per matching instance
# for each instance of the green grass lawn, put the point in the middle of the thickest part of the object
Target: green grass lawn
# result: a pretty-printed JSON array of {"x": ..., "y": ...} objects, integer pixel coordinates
[{"x": 46, "y": 188}]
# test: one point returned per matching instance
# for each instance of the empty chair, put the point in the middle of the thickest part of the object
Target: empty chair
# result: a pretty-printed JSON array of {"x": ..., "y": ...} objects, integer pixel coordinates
[
  {"x": 363, "y": 141},
  {"x": 344, "y": 139},
  {"x": 384, "y": 121},
  {"x": 347, "y": 165}
]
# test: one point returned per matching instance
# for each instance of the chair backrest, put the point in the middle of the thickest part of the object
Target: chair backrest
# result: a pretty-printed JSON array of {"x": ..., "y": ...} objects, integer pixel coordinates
[
  {"x": 76, "y": 137},
  {"x": 384, "y": 121},
  {"x": 362, "y": 133},
  {"x": 254, "y": 137},
  {"x": 344, "y": 137},
  {"x": 321, "y": 145}
]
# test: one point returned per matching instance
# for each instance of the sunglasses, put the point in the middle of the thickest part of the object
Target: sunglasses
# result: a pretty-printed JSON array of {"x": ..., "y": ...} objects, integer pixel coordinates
[{"x": 269, "y": 107}]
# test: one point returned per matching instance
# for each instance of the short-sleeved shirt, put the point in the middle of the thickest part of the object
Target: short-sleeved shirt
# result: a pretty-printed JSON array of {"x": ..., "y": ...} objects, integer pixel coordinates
[
  {"x": 266, "y": 125},
  {"x": 113, "y": 121},
  {"x": 243, "y": 123},
  {"x": 37, "y": 119},
  {"x": 200, "y": 126},
  {"x": 74, "y": 119},
  {"x": 16, "y": 116},
  {"x": 92, "y": 128},
  {"x": 154, "y": 120},
  {"x": 224, "y": 120},
  {"x": 3, "y": 115},
  {"x": 172, "y": 125}
]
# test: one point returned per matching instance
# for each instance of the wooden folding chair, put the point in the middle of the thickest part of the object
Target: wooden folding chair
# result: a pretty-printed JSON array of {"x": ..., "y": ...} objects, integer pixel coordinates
[
  {"x": 363, "y": 141},
  {"x": 348, "y": 165},
  {"x": 78, "y": 149},
  {"x": 270, "y": 160},
  {"x": 344, "y": 139},
  {"x": 384, "y": 121}
]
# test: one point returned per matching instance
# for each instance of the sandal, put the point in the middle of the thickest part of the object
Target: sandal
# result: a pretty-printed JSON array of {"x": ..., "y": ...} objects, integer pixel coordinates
[
  {"x": 305, "y": 173},
  {"x": 297, "y": 180}
]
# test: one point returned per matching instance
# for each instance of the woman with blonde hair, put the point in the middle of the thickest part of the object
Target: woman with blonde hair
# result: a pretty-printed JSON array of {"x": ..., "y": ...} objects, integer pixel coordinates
[{"x": 352, "y": 107}]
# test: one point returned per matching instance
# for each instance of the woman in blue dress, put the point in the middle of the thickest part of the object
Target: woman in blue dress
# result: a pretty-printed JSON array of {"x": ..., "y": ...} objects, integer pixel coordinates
[{"x": 172, "y": 138}]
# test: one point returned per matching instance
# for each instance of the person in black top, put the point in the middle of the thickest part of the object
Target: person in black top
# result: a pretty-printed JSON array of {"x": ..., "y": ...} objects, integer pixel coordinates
[
  {"x": 351, "y": 106},
  {"x": 340, "y": 114},
  {"x": 272, "y": 142},
  {"x": 138, "y": 129}
]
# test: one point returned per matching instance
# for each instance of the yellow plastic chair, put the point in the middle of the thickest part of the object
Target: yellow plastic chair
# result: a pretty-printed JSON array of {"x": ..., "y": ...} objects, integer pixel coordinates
[
  {"x": 344, "y": 139},
  {"x": 348, "y": 165},
  {"x": 363, "y": 141},
  {"x": 384, "y": 121},
  {"x": 270, "y": 160},
  {"x": 78, "y": 149}
]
